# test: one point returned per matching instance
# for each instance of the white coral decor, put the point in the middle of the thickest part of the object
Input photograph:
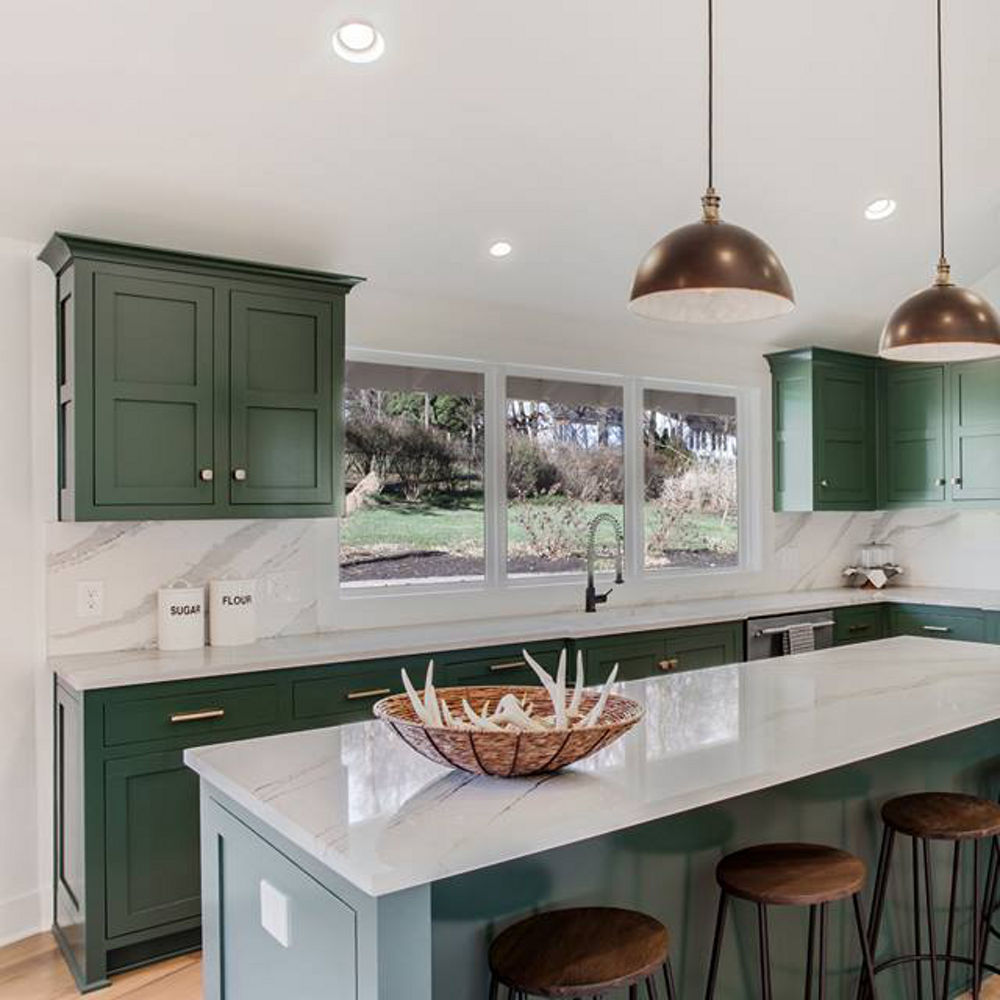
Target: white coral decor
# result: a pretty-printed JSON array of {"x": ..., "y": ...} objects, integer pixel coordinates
[{"x": 510, "y": 714}]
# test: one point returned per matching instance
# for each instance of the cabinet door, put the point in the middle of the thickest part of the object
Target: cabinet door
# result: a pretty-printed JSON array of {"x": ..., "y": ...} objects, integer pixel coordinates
[
  {"x": 151, "y": 843},
  {"x": 286, "y": 372},
  {"x": 975, "y": 414},
  {"x": 914, "y": 453},
  {"x": 636, "y": 655},
  {"x": 937, "y": 623},
  {"x": 703, "y": 646},
  {"x": 858, "y": 624},
  {"x": 153, "y": 391},
  {"x": 844, "y": 425}
]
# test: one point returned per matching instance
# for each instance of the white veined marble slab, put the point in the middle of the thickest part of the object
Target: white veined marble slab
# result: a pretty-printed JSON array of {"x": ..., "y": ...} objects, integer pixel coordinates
[
  {"x": 375, "y": 812},
  {"x": 94, "y": 671}
]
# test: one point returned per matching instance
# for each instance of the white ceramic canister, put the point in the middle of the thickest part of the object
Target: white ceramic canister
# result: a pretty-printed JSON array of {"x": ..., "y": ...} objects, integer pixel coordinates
[
  {"x": 232, "y": 618},
  {"x": 181, "y": 617}
]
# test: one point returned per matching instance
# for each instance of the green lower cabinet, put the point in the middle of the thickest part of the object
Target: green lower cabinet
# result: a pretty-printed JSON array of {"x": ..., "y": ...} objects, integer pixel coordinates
[
  {"x": 993, "y": 626},
  {"x": 858, "y": 624},
  {"x": 939, "y": 623},
  {"x": 646, "y": 654},
  {"x": 152, "y": 849},
  {"x": 500, "y": 664}
]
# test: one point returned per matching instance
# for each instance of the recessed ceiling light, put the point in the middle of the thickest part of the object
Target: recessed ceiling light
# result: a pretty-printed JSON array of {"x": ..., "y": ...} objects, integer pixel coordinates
[
  {"x": 500, "y": 249},
  {"x": 358, "y": 42},
  {"x": 880, "y": 208}
]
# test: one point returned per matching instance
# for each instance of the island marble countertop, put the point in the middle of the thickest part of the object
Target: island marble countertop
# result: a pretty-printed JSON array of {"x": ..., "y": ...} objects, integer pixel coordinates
[
  {"x": 368, "y": 807},
  {"x": 92, "y": 671}
]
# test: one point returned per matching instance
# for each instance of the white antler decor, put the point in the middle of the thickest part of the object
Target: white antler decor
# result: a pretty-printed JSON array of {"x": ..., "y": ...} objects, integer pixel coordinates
[{"x": 511, "y": 713}]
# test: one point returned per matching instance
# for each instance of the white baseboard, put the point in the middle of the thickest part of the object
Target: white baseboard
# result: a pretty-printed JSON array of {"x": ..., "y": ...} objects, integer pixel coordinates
[{"x": 20, "y": 917}]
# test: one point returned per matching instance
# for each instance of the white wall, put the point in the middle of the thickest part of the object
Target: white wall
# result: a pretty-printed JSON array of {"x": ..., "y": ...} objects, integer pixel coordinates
[{"x": 23, "y": 847}]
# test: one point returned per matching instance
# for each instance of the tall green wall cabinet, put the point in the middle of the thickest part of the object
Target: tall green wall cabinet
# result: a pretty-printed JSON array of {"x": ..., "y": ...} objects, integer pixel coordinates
[
  {"x": 195, "y": 387},
  {"x": 825, "y": 441}
]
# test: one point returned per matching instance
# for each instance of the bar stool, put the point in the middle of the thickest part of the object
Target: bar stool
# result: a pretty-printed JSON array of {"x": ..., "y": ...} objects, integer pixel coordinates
[
  {"x": 581, "y": 952},
  {"x": 925, "y": 817},
  {"x": 790, "y": 875}
]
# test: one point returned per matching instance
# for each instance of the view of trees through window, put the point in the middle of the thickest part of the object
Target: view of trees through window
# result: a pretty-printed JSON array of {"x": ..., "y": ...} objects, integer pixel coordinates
[
  {"x": 413, "y": 471},
  {"x": 691, "y": 500},
  {"x": 565, "y": 446},
  {"x": 414, "y": 468}
]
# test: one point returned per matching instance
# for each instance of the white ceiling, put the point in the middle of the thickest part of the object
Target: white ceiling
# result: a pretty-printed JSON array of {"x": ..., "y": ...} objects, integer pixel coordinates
[{"x": 573, "y": 128}]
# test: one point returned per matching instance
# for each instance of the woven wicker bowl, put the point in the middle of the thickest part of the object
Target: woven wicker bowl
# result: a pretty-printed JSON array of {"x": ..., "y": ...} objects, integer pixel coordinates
[{"x": 507, "y": 755}]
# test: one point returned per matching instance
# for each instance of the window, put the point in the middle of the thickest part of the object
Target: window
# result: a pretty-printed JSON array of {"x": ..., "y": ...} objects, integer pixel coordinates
[
  {"x": 565, "y": 447},
  {"x": 413, "y": 473},
  {"x": 460, "y": 473},
  {"x": 691, "y": 502}
]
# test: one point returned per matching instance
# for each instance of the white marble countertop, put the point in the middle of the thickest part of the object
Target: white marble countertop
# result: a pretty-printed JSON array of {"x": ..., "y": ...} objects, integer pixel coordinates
[
  {"x": 91, "y": 671},
  {"x": 375, "y": 812}
]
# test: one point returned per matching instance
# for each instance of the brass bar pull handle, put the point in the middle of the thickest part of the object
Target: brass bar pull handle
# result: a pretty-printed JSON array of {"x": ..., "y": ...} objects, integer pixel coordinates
[
  {"x": 859, "y": 628},
  {"x": 370, "y": 693},
  {"x": 511, "y": 665},
  {"x": 935, "y": 628},
  {"x": 670, "y": 664},
  {"x": 198, "y": 716}
]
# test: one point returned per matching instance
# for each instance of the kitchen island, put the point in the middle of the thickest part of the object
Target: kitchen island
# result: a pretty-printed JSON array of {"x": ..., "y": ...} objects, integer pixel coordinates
[{"x": 337, "y": 863}]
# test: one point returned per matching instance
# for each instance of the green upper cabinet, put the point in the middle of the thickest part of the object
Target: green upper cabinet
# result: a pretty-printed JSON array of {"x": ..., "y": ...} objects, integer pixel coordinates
[
  {"x": 975, "y": 431},
  {"x": 914, "y": 466},
  {"x": 193, "y": 386},
  {"x": 825, "y": 430}
]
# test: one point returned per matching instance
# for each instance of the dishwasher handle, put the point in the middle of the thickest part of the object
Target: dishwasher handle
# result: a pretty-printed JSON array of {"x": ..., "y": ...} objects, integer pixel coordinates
[{"x": 782, "y": 629}]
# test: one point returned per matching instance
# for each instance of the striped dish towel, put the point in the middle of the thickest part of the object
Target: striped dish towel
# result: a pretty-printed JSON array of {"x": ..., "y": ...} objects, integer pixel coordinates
[{"x": 798, "y": 639}]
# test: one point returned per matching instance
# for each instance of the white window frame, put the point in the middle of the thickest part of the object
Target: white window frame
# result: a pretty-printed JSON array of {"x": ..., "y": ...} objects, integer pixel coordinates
[{"x": 748, "y": 429}]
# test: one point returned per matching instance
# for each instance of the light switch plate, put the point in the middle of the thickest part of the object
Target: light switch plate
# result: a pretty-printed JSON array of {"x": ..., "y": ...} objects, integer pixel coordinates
[
  {"x": 90, "y": 599},
  {"x": 274, "y": 913}
]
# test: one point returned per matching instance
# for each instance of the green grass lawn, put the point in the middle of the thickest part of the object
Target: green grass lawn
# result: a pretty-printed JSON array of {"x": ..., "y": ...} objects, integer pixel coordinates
[{"x": 455, "y": 523}]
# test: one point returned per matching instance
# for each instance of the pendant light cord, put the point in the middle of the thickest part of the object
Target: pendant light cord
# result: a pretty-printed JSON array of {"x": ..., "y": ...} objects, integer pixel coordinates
[
  {"x": 711, "y": 91},
  {"x": 940, "y": 96}
]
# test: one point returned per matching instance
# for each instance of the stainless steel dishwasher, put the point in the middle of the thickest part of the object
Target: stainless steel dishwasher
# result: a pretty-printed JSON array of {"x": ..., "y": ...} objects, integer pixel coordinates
[{"x": 766, "y": 636}]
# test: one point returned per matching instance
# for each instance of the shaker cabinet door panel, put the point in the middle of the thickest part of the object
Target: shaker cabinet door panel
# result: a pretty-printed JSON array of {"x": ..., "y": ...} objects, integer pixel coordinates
[
  {"x": 152, "y": 852},
  {"x": 975, "y": 414},
  {"x": 153, "y": 391},
  {"x": 285, "y": 408},
  {"x": 915, "y": 435},
  {"x": 844, "y": 437}
]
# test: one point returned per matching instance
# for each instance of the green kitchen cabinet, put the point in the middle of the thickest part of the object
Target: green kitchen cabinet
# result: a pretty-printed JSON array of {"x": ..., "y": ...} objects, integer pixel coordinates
[
  {"x": 645, "y": 654},
  {"x": 914, "y": 465},
  {"x": 193, "y": 386},
  {"x": 825, "y": 434},
  {"x": 858, "y": 623},
  {"x": 975, "y": 431},
  {"x": 937, "y": 622}
]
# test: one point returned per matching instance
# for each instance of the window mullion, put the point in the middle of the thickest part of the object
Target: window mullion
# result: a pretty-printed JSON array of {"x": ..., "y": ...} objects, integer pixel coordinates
[
  {"x": 635, "y": 481},
  {"x": 495, "y": 479}
]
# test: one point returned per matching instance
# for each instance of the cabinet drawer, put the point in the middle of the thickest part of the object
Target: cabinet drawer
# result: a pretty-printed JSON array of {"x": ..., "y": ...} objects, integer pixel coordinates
[
  {"x": 194, "y": 717},
  {"x": 346, "y": 692},
  {"x": 940, "y": 623},
  {"x": 858, "y": 624},
  {"x": 499, "y": 665}
]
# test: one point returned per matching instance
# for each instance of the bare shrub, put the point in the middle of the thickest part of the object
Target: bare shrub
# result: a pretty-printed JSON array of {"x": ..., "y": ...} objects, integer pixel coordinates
[{"x": 556, "y": 526}]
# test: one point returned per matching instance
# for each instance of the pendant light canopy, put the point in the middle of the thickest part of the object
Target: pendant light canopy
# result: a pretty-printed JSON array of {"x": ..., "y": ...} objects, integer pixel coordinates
[
  {"x": 944, "y": 322},
  {"x": 711, "y": 271}
]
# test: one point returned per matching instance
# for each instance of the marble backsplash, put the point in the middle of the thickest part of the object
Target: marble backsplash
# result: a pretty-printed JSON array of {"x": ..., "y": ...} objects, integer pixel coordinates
[
  {"x": 134, "y": 559},
  {"x": 295, "y": 564}
]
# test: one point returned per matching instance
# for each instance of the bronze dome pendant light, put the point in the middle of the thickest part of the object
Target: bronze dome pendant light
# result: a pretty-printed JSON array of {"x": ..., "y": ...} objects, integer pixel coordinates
[
  {"x": 711, "y": 271},
  {"x": 944, "y": 322}
]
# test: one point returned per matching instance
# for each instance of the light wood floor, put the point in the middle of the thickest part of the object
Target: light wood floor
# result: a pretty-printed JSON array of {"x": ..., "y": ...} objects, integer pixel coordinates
[{"x": 33, "y": 969}]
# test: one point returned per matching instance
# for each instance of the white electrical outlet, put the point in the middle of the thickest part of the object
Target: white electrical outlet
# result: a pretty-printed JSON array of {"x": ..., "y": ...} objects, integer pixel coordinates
[
  {"x": 90, "y": 599},
  {"x": 274, "y": 913}
]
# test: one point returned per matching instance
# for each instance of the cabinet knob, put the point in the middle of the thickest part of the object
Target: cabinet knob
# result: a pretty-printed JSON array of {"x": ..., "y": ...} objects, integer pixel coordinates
[
  {"x": 956, "y": 480},
  {"x": 240, "y": 475},
  {"x": 206, "y": 475},
  {"x": 670, "y": 664},
  {"x": 824, "y": 483},
  {"x": 939, "y": 481}
]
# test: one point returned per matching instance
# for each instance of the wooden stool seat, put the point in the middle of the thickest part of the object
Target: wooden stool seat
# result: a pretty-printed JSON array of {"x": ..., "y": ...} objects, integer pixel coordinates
[
  {"x": 791, "y": 874},
  {"x": 942, "y": 816},
  {"x": 586, "y": 950}
]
